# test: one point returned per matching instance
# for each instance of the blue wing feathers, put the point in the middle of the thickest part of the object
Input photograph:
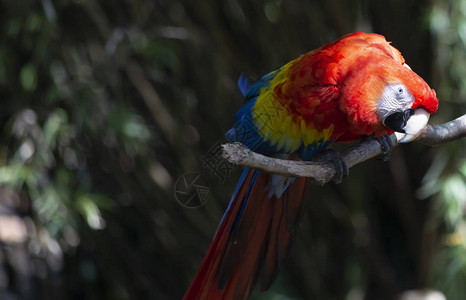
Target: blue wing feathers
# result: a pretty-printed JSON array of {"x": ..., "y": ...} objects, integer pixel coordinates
[
  {"x": 244, "y": 202},
  {"x": 235, "y": 192},
  {"x": 245, "y": 131},
  {"x": 244, "y": 83},
  {"x": 250, "y": 90},
  {"x": 306, "y": 153}
]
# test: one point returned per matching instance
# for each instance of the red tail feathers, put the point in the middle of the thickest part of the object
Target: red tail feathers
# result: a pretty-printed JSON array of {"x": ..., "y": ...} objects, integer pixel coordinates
[{"x": 252, "y": 240}]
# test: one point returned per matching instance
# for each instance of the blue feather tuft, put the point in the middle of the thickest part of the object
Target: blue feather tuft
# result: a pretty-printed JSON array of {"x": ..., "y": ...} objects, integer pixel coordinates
[
  {"x": 244, "y": 83},
  {"x": 251, "y": 90},
  {"x": 306, "y": 153}
]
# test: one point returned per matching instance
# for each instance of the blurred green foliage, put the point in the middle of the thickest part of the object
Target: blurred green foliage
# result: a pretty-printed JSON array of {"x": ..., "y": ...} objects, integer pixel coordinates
[{"x": 106, "y": 104}]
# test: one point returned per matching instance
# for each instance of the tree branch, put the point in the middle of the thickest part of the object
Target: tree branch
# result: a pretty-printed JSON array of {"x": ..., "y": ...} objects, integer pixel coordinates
[
  {"x": 323, "y": 172},
  {"x": 444, "y": 133}
]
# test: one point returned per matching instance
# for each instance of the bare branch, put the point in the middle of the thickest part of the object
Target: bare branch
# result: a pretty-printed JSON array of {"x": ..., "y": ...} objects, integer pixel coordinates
[
  {"x": 239, "y": 154},
  {"x": 444, "y": 133},
  {"x": 323, "y": 172}
]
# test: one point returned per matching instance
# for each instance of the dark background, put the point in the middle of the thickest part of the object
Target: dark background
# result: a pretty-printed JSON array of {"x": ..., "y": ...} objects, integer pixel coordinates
[{"x": 104, "y": 105}]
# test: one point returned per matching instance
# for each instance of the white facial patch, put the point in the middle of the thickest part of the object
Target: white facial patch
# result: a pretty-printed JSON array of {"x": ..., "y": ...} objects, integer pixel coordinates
[
  {"x": 414, "y": 126},
  {"x": 395, "y": 98}
]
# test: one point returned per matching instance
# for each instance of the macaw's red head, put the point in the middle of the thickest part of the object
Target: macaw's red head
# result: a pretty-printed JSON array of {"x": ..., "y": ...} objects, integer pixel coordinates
[
  {"x": 384, "y": 90},
  {"x": 406, "y": 104}
]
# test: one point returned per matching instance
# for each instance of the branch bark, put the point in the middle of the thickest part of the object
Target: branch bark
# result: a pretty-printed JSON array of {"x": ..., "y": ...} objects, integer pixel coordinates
[{"x": 323, "y": 172}]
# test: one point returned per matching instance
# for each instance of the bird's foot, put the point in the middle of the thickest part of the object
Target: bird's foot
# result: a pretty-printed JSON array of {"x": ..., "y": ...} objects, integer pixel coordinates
[
  {"x": 386, "y": 144},
  {"x": 338, "y": 161}
]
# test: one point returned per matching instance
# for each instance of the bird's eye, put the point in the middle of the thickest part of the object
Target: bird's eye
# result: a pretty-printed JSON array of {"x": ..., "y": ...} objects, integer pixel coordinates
[{"x": 400, "y": 91}]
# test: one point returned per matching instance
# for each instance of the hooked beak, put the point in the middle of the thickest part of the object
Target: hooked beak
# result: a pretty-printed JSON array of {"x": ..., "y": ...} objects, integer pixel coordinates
[{"x": 408, "y": 124}]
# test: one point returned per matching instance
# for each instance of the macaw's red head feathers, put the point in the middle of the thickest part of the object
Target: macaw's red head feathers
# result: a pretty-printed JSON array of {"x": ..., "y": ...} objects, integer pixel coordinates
[
  {"x": 412, "y": 91},
  {"x": 381, "y": 92},
  {"x": 424, "y": 96}
]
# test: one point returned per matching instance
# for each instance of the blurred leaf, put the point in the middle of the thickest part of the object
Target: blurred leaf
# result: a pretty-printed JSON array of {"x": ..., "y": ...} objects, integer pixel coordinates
[
  {"x": 28, "y": 77},
  {"x": 56, "y": 123},
  {"x": 450, "y": 272},
  {"x": 16, "y": 174},
  {"x": 454, "y": 199},
  {"x": 87, "y": 205}
]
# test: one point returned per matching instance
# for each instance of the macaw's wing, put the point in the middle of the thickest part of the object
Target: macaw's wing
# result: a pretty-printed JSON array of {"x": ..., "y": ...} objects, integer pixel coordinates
[{"x": 293, "y": 109}]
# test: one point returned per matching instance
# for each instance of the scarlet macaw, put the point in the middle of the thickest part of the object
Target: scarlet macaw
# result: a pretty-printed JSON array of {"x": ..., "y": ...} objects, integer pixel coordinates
[{"x": 356, "y": 86}]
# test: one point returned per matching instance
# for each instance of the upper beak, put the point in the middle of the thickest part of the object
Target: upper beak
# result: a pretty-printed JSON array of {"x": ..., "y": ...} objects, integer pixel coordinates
[
  {"x": 398, "y": 120},
  {"x": 408, "y": 124}
]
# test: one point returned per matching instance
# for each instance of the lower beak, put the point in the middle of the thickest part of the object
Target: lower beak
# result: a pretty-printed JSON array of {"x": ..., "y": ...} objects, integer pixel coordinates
[{"x": 414, "y": 126}]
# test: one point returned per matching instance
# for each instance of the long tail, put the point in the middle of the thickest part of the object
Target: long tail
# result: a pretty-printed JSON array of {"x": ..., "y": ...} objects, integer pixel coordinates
[{"x": 253, "y": 238}]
